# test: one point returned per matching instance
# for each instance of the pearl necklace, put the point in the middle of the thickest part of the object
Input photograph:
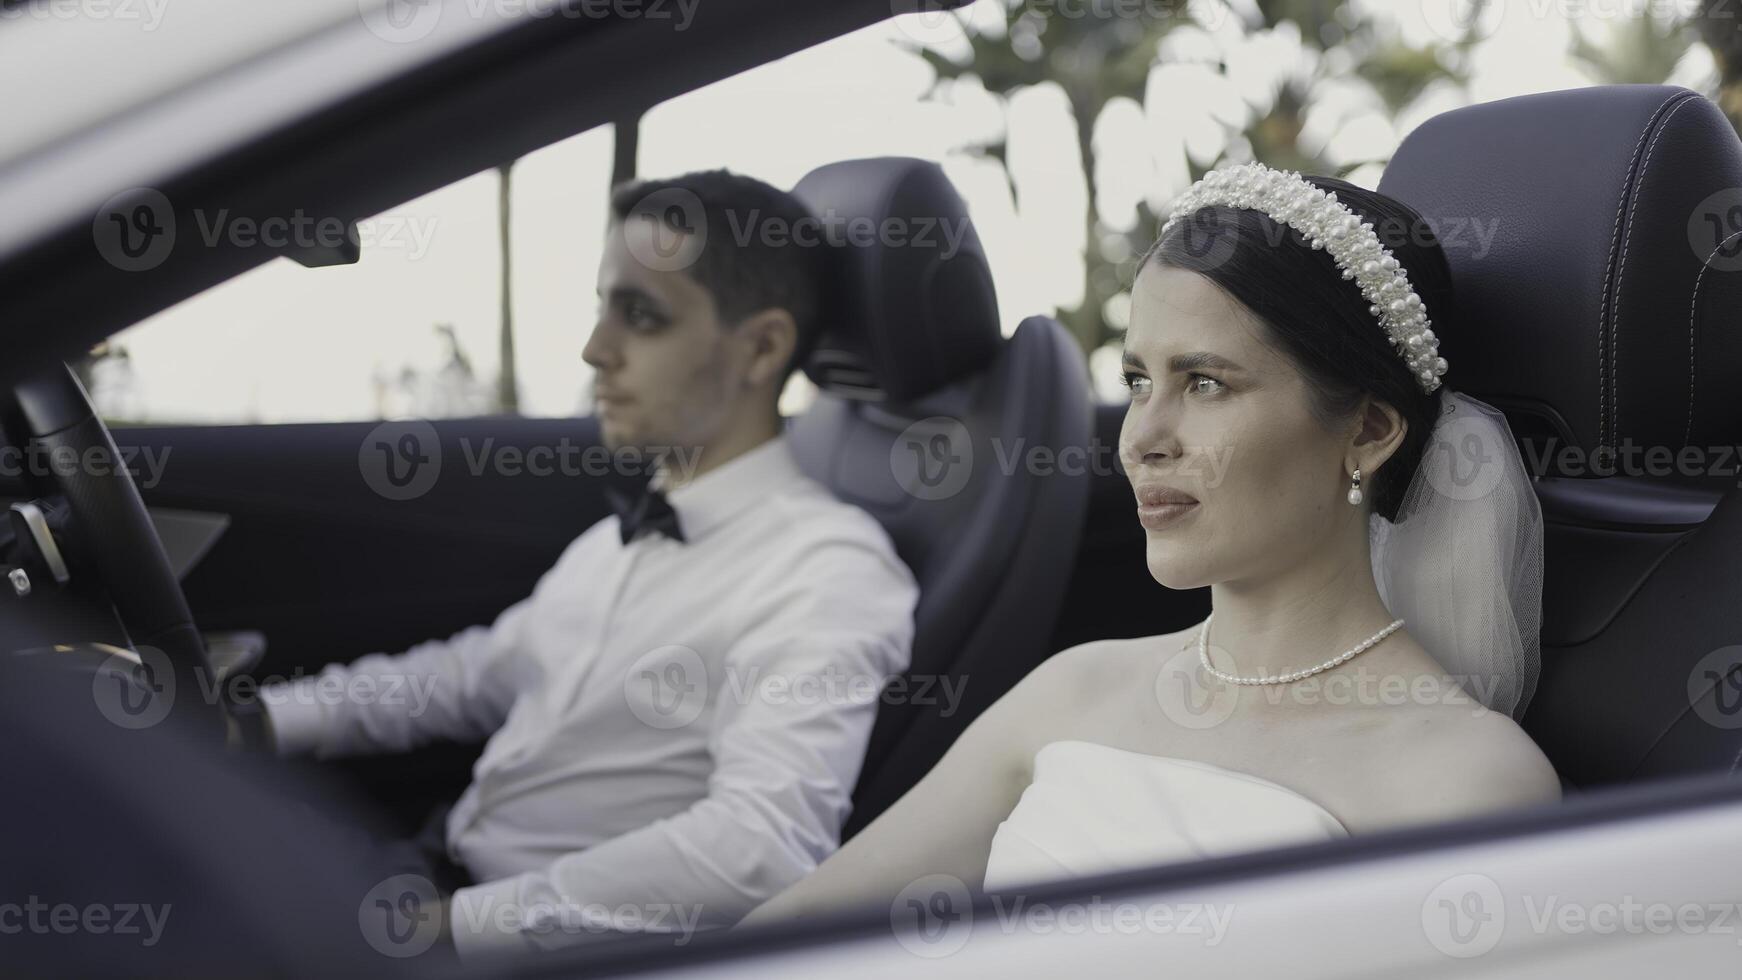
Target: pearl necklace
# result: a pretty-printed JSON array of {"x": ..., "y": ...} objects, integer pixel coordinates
[{"x": 1344, "y": 657}]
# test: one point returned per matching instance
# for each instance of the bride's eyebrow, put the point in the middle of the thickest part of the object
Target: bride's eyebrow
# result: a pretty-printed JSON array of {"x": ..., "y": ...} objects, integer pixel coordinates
[{"x": 1182, "y": 363}]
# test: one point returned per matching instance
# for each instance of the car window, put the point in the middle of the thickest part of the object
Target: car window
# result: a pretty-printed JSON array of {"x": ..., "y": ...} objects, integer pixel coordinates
[
  {"x": 871, "y": 94},
  {"x": 415, "y": 327},
  {"x": 412, "y": 329}
]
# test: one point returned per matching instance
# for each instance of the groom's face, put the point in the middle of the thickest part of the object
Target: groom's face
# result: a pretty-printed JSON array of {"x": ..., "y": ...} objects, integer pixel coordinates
[
  {"x": 668, "y": 371},
  {"x": 1219, "y": 414}
]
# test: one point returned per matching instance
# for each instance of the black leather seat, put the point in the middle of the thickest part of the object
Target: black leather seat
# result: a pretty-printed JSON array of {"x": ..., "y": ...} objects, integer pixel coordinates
[
  {"x": 927, "y": 417},
  {"x": 1602, "y": 316}
]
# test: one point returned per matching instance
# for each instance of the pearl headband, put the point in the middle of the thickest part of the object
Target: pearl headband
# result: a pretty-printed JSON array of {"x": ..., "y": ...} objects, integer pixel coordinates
[{"x": 1289, "y": 199}]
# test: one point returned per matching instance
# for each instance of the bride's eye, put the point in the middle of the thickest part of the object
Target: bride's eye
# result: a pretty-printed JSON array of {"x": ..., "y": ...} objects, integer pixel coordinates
[
  {"x": 1136, "y": 383},
  {"x": 1193, "y": 386}
]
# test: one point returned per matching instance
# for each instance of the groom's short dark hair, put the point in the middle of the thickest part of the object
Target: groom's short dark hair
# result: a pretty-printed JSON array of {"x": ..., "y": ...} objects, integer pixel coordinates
[{"x": 751, "y": 259}]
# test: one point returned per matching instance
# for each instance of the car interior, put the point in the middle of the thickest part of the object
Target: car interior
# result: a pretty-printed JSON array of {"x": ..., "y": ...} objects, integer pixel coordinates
[
  {"x": 1582, "y": 328},
  {"x": 903, "y": 366},
  {"x": 1583, "y": 319}
]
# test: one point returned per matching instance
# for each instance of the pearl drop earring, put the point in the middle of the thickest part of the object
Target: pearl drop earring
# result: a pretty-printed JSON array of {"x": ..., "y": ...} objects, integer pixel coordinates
[{"x": 1355, "y": 487}]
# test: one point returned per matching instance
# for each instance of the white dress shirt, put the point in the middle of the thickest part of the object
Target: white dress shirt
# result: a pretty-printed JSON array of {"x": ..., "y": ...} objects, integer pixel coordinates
[{"x": 674, "y": 728}]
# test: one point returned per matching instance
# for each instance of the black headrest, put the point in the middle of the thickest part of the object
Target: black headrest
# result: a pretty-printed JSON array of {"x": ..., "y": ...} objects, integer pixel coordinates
[
  {"x": 1595, "y": 242},
  {"x": 911, "y": 305}
]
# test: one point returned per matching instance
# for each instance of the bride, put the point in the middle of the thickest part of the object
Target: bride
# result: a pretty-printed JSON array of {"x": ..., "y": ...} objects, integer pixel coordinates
[{"x": 1373, "y": 550}]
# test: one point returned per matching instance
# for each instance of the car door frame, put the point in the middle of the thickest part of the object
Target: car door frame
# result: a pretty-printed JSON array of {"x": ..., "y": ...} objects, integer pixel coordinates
[{"x": 1374, "y": 904}]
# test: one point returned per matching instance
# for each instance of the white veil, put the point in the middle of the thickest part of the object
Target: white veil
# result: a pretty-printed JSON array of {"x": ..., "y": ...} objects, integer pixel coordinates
[{"x": 1462, "y": 565}]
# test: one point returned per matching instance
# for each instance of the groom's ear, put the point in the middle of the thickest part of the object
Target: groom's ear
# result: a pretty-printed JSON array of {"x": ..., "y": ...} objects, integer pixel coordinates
[{"x": 1379, "y": 432}]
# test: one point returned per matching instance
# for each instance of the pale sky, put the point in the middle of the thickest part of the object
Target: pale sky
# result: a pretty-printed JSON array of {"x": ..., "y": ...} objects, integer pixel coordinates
[{"x": 284, "y": 343}]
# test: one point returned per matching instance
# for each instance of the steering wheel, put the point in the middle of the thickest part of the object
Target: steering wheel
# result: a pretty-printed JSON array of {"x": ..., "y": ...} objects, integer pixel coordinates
[{"x": 113, "y": 535}]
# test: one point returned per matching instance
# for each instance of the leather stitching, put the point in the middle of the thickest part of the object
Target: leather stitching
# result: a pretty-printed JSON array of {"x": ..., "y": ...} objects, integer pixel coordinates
[
  {"x": 1693, "y": 305},
  {"x": 1603, "y": 304},
  {"x": 1621, "y": 272}
]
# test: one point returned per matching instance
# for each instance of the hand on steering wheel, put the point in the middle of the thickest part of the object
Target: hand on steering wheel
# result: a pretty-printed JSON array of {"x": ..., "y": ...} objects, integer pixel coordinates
[{"x": 117, "y": 540}]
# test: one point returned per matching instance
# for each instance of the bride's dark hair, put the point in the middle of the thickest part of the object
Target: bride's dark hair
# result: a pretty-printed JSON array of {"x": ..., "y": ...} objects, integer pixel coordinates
[{"x": 1321, "y": 320}]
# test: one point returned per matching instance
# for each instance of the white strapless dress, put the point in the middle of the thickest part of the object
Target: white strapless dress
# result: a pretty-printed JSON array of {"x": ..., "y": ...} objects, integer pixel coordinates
[{"x": 1093, "y": 809}]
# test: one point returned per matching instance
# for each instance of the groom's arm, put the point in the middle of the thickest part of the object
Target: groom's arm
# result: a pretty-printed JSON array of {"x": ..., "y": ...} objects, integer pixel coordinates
[
  {"x": 784, "y": 768},
  {"x": 439, "y": 689},
  {"x": 456, "y": 689}
]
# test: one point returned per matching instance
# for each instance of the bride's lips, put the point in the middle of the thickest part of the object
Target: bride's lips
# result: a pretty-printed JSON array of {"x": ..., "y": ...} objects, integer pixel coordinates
[{"x": 1160, "y": 506}]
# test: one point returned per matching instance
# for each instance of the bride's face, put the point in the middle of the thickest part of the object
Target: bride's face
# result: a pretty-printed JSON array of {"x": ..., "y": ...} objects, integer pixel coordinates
[{"x": 1219, "y": 419}]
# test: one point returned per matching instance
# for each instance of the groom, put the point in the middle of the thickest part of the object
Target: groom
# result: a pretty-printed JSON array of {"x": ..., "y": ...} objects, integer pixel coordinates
[{"x": 654, "y": 763}]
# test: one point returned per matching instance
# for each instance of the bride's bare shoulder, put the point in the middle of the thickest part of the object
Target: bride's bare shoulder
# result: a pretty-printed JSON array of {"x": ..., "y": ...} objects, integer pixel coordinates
[
  {"x": 1089, "y": 670},
  {"x": 1062, "y": 698},
  {"x": 1465, "y": 763}
]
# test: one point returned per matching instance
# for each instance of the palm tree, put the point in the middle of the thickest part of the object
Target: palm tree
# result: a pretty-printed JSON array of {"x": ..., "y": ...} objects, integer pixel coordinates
[
  {"x": 1643, "y": 50},
  {"x": 626, "y": 137},
  {"x": 1099, "y": 55},
  {"x": 1717, "y": 25},
  {"x": 507, "y": 385},
  {"x": 1095, "y": 57},
  {"x": 1396, "y": 72}
]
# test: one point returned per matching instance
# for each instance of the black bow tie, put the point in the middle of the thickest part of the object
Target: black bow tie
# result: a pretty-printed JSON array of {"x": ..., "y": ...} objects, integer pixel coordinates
[{"x": 648, "y": 512}]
